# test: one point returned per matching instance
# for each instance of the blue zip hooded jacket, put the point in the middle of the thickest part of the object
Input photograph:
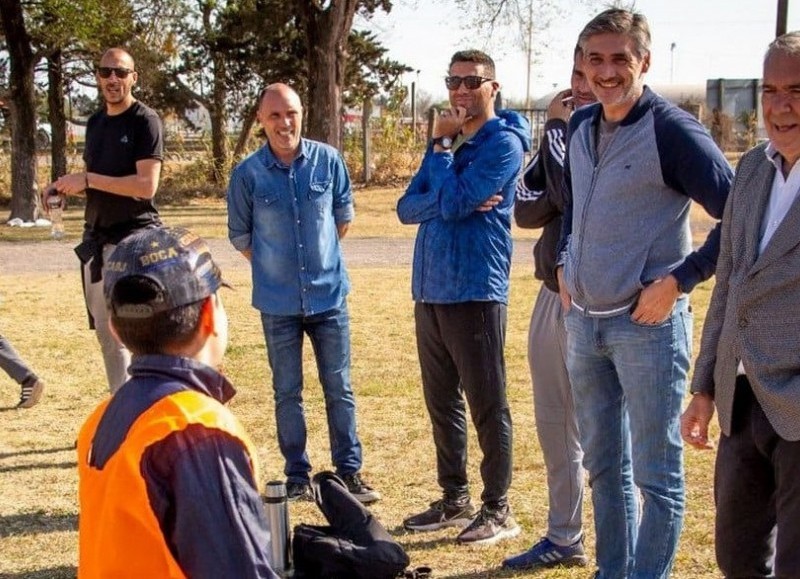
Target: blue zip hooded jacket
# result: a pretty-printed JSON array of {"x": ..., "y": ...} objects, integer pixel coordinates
[{"x": 462, "y": 254}]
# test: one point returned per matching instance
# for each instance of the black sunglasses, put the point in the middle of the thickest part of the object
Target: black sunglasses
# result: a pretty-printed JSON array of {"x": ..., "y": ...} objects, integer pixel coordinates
[
  {"x": 471, "y": 82},
  {"x": 106, "y": 71}
]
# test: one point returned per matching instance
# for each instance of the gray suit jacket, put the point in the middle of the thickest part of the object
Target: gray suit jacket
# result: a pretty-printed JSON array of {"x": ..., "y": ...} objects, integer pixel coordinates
[{"x": 754, "y": 315}]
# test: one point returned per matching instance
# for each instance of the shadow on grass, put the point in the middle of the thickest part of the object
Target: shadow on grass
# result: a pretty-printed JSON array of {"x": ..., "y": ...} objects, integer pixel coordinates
[
  {"x": 499, "y": 573},
  {"x": 38, "y": 465},
  {"x": 484, "y": 574},
  {"x": 28, "y": 451},
  {"x": 36, "y": 523},
  {"x": 63, "y": 572},
  {"x": 421, "y": 540}
]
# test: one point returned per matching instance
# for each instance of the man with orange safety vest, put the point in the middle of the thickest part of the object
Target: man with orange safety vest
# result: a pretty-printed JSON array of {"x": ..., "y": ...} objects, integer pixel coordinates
[{"x": 167, "y": 474}]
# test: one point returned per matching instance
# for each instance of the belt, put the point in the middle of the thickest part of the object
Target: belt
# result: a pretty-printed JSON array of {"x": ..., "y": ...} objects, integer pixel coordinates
[{"x": 601, "y": 313}]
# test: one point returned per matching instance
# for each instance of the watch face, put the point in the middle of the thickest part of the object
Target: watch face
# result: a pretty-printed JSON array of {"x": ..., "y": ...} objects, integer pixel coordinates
[{"x": 447, "y": 142}]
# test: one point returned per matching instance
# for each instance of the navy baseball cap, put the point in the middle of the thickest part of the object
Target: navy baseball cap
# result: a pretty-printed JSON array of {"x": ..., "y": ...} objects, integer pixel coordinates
[{"x": 174, "y": 264}]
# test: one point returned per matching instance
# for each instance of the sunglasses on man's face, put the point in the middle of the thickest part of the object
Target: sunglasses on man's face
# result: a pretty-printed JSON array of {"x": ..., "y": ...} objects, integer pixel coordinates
[
  {"x": 106, "y": 71},
  {"x": 471, "y": 82}
]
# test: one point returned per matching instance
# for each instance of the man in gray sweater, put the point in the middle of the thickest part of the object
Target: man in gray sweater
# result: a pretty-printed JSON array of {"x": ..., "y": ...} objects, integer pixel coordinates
[{"x": 635, "y": 164}]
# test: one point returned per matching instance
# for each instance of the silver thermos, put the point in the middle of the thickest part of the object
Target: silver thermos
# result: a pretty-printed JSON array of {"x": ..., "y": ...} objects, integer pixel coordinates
[{"x": 277, "y": 508}]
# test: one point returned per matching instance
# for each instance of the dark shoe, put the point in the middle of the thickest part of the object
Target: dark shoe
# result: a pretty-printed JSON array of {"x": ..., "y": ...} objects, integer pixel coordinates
[
  {"x": 442, "y": 513},
  {"x": 545, "y": 553},
  {"x": 491, "y": 525},
  {"x": 364, "y": 493},
  {"x": 31, "y": 393},
  {"x": 298, "y": 491}
]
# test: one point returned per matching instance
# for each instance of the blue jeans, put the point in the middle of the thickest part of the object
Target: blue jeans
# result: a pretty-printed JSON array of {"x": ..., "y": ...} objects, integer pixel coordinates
[
  {"x": 628, "y": 382},
  {"x": 329, "y": 333}
]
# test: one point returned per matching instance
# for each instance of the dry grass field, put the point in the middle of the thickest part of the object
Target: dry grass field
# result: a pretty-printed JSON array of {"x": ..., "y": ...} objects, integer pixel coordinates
[{"x": 42, "y": 314}]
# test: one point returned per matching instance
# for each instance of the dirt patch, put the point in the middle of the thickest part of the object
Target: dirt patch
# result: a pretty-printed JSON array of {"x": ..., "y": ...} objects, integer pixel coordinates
[{"x": 55, "y": 256}]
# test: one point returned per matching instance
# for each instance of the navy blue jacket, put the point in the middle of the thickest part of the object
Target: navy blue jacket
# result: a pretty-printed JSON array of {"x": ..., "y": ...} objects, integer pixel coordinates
[{"x": 197, "y": 479}]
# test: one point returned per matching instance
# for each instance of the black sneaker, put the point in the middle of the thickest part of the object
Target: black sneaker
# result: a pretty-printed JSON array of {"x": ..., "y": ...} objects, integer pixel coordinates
[
  {"x": 364, "y": 493},
  {"x": 30, "y": 393},
  {"x": 442, "y": 513},
  {"x": 298, "y": 491},
  {"x": 491, "y": 525}
]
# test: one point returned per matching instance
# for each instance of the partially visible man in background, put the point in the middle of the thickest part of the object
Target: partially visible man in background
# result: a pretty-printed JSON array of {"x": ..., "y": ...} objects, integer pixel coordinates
[
  {"x": 31, "y": 386},
  {"x": 748, "y": 366},
  {"x": 289, "y": 204},
  {"x": 123, "y": 154},
  {"x": 540, "y": 203}
]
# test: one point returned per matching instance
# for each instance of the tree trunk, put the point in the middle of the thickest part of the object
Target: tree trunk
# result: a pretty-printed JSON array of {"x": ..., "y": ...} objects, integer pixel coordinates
[
  {"x": 219, "y": 121},
  {"x": 56, "y": 116},
  {"x": 22, "y": 107},
  {"x": 327, "y": 31},
  {"x": 247, "y": 125}
]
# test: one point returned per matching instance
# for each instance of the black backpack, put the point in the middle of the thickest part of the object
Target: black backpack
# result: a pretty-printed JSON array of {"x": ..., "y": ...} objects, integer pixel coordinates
[{"x": 354, "y": 546}]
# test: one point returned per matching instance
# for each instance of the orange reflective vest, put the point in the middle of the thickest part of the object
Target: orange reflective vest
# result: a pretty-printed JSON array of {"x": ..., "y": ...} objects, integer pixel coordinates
[{"x": 119, "y": 535}]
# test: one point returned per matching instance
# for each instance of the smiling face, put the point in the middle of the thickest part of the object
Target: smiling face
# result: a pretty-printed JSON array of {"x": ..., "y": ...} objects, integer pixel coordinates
[
  {"x": 581, "y": 93},
  {"x": 479, "y": 102},
  {"x": 615, "y": 72},
  {"x": 117, "y": 91},
  {"x": 780, "y": 101},
  {"x": 281, "y": 115}
]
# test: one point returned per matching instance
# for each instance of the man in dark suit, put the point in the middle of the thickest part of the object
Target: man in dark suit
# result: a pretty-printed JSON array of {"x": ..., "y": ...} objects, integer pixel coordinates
[{"x": 749, "y": 366}]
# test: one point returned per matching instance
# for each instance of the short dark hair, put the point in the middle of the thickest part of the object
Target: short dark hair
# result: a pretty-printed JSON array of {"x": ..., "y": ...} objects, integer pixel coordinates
[
  {"x": 620, "y": 21},
  {"x": 476, "y": 56},
  {"x": 160, "y": 332}
]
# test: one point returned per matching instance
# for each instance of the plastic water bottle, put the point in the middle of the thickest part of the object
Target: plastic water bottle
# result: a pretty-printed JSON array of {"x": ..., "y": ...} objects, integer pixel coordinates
[
  {"x": 277, "y": 509},
  {"x": 55, "y": 208}
]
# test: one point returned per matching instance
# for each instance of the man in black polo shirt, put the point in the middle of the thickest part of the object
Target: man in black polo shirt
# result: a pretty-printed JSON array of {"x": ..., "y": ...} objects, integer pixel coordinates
[{"x": 123, "y": 153}]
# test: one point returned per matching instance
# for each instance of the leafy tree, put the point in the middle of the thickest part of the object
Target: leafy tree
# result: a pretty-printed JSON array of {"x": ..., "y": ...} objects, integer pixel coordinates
[
  {"x": 222, "y": 52},
  {"x": 327, "y": 25},
  {"x": 368, "y": 71},
  {"x": 527, "y": 20},
  {"x": 22, "y": 105}
]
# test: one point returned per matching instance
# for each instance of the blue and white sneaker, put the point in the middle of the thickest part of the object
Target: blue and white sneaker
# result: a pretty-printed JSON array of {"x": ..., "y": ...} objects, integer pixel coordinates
[{"x": 545, "y": 553}]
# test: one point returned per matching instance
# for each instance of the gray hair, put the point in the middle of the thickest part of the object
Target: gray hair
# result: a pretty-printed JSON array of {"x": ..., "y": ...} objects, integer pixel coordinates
[
  {"x": 788, "y": 43},
  {"x": 620, "y": 21}
]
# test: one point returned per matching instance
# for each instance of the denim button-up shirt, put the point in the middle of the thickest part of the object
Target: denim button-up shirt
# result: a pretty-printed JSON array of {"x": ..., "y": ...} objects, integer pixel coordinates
[{"x": 287, "y": 217}]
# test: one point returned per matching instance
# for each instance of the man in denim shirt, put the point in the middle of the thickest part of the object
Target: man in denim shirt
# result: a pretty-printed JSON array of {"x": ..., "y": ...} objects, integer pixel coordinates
[{"x": 289, "y": 203}]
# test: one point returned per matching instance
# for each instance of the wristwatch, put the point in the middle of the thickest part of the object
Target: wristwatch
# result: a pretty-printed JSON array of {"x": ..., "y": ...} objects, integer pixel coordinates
[{"x": 444, "y": 142}]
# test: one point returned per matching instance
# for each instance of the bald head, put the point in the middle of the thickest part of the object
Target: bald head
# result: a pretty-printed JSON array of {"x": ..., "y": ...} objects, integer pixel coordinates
[
  {"x": 116, "y": 76},
  {"x": 279, "y": 90},
  {"x": 118, "y": 55},
  {"x": 280, "y": 113}
]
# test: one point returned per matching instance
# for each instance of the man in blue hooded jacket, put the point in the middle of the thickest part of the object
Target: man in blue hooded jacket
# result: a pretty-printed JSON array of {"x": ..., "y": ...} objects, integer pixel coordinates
[{"x": 462, "y": 197}]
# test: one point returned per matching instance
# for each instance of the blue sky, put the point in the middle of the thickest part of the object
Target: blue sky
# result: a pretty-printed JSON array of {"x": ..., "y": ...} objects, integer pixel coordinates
[{"x": 713, "y": 39}]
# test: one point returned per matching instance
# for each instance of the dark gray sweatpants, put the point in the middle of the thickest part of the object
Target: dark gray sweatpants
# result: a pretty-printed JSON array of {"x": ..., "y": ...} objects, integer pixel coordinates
[
  {"x": 12, "y": 364},
  {"x": 461, "y": 356}
]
